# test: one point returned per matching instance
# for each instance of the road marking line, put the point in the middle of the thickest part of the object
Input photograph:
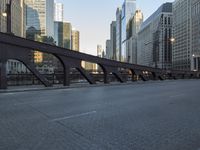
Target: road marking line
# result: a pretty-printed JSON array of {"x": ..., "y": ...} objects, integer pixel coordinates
[
  {"x": 179, "y": 95},
  {"x": 8, "y": 94},
  {"x": 74, "y": 116}
]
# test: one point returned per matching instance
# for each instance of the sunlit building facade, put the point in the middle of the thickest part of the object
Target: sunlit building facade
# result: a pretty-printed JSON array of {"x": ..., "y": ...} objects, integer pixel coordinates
[
  {"x": 18, "y": 18},
  {"x": 75, "y": 40},
  {"x": 58, "y": 12},
  {"x": 99, "y": 50}
]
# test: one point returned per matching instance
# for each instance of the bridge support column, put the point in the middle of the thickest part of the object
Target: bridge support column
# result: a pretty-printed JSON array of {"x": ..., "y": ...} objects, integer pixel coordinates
[
  {"x": 86, "y": 75},
  {"x": 3, "y": 75},
  {"x": 66, "y": 76},
  {"x": 42, "y": 79},
  {"x": 118, "y": 76},
  {"x": 133, "y": 75}
]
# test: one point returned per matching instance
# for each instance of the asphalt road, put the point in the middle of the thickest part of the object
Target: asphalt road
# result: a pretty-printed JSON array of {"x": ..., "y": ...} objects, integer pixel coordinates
[{"x": 148, "y": 116}]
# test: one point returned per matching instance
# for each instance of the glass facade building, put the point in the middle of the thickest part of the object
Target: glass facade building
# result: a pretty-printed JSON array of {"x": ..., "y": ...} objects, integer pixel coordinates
[
  {"x": 128, "y": 10},
  {"x": 63, "y": 34},
  {"x": 40, "y": 15},
  {"x": 133, "y": 28},
  {"x": 118, "y": 34}
]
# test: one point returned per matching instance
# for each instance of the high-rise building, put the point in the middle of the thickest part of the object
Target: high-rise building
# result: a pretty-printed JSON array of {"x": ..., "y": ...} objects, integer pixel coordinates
[
  {"x": 154, "y": 39},
  {"x": 195, "y": 63},
  {"x": 113, "y": 40},
  {"x": 99, "y": 51},
  {"x": 182, "y": 32},
  {"x": 109, "y": 52},
  {"x": 17, "y": 17},
  {"x": 118, "y": 34},
  {"x": 75, "y": 40},
  {"x": 18, "y": 24},
  {"x": 133, "y": 28},
  {"x": 63, "y": 34},
  {"x": 58, "y": 12},
  {"x": 40, "y": 15},
  {"x": 128, "y": 10}
]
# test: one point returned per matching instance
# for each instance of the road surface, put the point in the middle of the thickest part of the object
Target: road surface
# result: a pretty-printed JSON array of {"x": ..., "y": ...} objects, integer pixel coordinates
[{"x": 146, "y": 116}]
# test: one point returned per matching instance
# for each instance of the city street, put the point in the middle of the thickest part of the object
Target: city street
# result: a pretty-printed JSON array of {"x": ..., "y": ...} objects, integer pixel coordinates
[{"x": 139, "y": 116}]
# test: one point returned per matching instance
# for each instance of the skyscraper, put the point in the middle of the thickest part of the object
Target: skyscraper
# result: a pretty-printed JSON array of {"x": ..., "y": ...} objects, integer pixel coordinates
[
  {"x": 75, "y": 40},
  {"x": 182, "y": 26},
  {"x": 18, "y": 20},
  {"x": 113, "y": 39},
  {"x": 154, "y": 39},
  {"x": 58, "y": 12},
  {"x": 195, "y": 62},
  {"x": 133, "y": 28},
  {"x": 63, "y": 34},
  {"x": 99, "y": 51},
  {"x": 40, "y": 15},
  {"x": 18, "y": 25},
  {"x": 109, "y": 52},
  {"x": 118, "y": 34},
  {"x": 128, "y": 10}
]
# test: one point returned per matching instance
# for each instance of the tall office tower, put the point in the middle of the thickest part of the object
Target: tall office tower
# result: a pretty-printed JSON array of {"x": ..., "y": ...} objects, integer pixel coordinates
[
  {"x": 128, "y": 10},
  {"x": 109, "y": 53},
  {"x": 154, "y": 39},
  {"x": 133, "y": 28},
  {"x": 40, "y": 15},
  {"x": 75, "y": 40},
  {"x": 58, "y": 12},
  {"x": 195, "y": 63},
  {"x": 17, "y": 17},
  {"x": 118, "y": 34},
  {"x": 63, "y": 34},
  {"x": 18, "y": 26},
  {"x": 182, "y": 26},
  {"x": 99, "y": 51},
  {"x": 113, "y": 39}
]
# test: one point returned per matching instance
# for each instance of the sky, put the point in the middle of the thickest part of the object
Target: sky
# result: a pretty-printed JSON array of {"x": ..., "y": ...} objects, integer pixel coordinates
[{"x": 93, "y": 17}]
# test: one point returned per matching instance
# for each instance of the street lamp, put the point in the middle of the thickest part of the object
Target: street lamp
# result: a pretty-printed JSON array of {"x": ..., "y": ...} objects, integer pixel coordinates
[
  {"x": 4, "y": 14},
  {"x": 172, "y": 40}
]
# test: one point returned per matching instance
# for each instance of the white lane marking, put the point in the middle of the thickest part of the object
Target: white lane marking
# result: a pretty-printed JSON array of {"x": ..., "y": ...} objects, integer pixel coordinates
[
  {"x": 178, "y": 95},
  {"x": 8, "y": 94},
  {"x": 74, "y": 116}
]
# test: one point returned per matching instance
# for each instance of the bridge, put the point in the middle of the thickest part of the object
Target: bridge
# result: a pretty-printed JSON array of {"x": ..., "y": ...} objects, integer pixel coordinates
[
  {"x": 160, "y": 114},
  {"x": 17, "y": 48}
]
